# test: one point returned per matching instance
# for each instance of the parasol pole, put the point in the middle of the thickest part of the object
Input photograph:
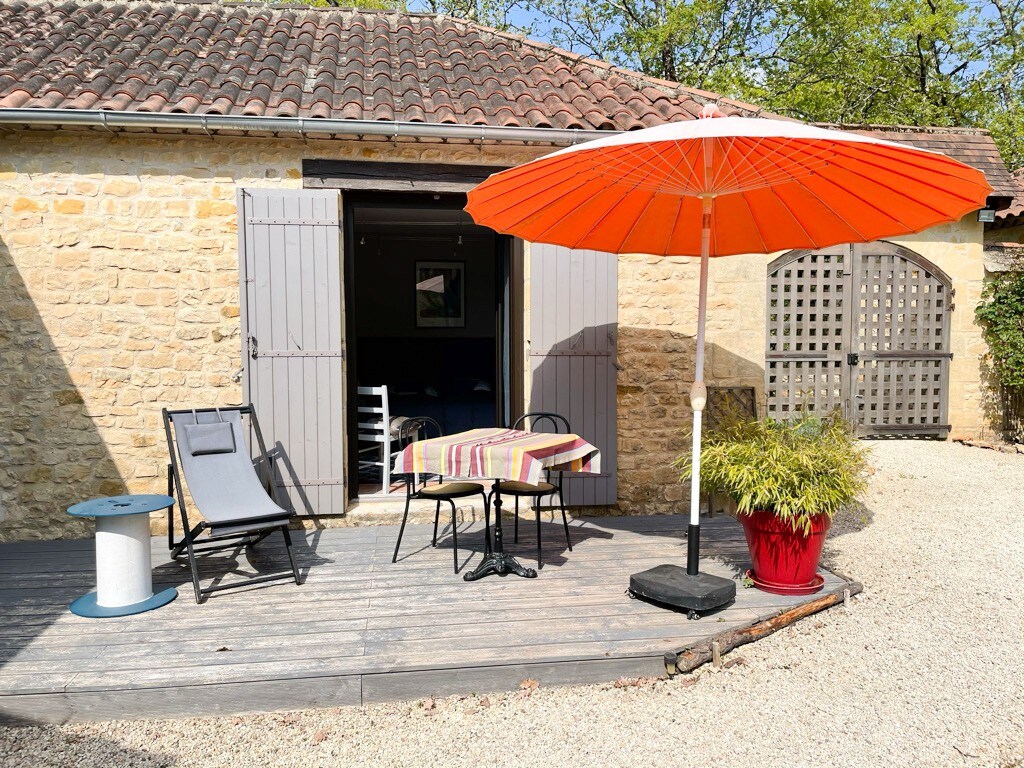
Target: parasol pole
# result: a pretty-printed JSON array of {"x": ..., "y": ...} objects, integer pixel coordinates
[
  {"x": 671, "y": 585},
  {"x": 699, "y": 392}
]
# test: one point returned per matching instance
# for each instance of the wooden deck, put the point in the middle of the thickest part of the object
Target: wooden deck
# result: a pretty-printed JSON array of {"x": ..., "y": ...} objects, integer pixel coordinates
[{"x": 359, "y": 629}]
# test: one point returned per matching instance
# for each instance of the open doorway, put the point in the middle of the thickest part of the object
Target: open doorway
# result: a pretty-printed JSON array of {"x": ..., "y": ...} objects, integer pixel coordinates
[{"x": 428, "y": 329}]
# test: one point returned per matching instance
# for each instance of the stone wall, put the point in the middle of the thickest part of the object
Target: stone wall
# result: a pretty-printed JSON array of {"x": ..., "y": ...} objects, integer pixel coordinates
[
  {"x": 1014, "y": 234},
  {"x": 657, "y": 343},
  {"x": 657, "y": 319},
  {"x": 119, "y": 295},
  {"x": 957, "y": 250}
]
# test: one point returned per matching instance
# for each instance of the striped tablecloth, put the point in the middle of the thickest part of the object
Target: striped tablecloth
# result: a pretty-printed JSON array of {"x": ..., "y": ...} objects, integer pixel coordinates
[{"x": 499, "y": 454}]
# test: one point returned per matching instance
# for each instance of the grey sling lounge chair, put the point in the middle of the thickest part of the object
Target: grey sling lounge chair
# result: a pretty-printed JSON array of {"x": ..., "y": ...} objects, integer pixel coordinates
[{"x": 214, "y": 459}]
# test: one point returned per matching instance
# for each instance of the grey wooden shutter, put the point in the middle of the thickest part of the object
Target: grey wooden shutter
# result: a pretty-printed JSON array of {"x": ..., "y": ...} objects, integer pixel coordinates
[
  {"x": 290, "y": 253},
  {"x": 573, "y": 330}
]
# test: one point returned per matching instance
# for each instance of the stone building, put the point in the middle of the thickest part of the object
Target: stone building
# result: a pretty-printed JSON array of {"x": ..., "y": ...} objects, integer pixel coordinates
[
  {"x": 1008, "y": 226},
  {"x": 1004, "y": 258},
  {"x": 153, "y": 154}
]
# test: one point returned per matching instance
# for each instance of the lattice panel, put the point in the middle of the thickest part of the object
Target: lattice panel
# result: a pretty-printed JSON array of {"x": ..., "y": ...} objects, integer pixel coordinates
[
  {"x": 894, "y": 393},
  {"x": 805, "y": 333},
  {"x": 728, "y": 401},
  {"x": 901, "y": 306},
  {"x": 882, "y": 304},
  {"x": 793, "y": 385},
  {"x": 901, "y": 337}
]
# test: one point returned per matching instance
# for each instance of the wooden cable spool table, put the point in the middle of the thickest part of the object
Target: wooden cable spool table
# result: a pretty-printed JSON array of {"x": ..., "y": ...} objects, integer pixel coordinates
[{"x": 124, "y": 563}]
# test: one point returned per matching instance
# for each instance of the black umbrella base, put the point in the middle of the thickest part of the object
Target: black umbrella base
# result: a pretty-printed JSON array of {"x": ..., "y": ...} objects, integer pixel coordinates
[{"x": 671, "y": 586}]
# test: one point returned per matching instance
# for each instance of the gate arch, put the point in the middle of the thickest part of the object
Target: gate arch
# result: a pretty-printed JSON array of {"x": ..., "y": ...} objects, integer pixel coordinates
[{"x": 863, "y": 328}]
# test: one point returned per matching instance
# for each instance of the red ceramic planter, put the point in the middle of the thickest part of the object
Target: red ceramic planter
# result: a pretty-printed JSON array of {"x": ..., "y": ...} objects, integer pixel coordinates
[{"x": 785, "y": 562}]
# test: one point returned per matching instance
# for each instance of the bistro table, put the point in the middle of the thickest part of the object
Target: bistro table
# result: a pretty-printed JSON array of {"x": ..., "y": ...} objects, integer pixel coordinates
[
  {"x": 124, "y": 563},
  {"x": 497, "y": 454}
]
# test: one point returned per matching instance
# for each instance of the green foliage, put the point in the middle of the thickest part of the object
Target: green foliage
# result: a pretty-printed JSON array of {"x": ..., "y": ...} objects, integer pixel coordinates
[
  {"x": 1001, "y": 313},
  {"x": 491, "y": 13},
  {"x": 808, "y": 466},
  {"x": 911, "y": 62}
]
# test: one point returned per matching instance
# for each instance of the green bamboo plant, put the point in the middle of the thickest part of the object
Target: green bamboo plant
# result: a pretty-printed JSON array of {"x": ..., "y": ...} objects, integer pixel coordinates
[{"x": 810, "y": 465}]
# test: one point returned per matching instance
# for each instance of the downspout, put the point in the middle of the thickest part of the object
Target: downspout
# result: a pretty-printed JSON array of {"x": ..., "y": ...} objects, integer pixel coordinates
[{"x": 303, "y": 127}]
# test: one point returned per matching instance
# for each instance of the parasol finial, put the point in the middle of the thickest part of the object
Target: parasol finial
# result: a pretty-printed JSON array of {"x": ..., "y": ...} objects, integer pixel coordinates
[{"x": 711, "y": 110}]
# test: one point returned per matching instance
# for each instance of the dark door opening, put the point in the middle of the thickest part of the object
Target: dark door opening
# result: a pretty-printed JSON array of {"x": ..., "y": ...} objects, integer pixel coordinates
[{"x": 426, "y": 324}]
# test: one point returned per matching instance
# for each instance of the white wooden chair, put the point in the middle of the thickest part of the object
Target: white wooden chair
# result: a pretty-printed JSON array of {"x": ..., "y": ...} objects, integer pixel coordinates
[{"x": 374, "y": 431}]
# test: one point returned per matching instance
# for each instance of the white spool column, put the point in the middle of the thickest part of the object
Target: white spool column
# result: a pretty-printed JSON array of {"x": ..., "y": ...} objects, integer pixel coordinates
[{"x": 124, "y": 565}]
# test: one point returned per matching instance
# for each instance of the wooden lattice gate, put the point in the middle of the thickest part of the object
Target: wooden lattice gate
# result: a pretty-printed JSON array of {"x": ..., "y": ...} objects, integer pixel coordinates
[{"x": 862, "y": 328}]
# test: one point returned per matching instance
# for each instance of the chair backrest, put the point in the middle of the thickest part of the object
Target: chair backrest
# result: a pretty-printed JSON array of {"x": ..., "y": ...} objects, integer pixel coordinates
[
  {"x": 539, "y": 421},
  {"x": 413, "y": 429},
  {"x": 544, "y": 421},
  {"x": 215, "y": 462},
  {"x": 373, "y": 415},
  {"x": 418, "y": 428}
]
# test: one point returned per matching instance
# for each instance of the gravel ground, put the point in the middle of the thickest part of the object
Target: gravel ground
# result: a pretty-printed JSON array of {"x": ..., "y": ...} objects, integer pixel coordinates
[{"x": 925, "y": 669}]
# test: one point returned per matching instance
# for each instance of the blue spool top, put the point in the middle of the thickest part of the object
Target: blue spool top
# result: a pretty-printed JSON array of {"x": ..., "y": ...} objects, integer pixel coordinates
[{"x": 119, "y": 506}]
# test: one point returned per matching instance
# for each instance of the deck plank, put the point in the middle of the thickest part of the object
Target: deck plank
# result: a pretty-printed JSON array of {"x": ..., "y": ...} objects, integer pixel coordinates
[{"x": 359, "y": 628}]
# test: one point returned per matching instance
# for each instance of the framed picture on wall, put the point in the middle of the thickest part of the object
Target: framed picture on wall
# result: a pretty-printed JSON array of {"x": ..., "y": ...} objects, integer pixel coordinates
[{"x": 440, "y": 294}]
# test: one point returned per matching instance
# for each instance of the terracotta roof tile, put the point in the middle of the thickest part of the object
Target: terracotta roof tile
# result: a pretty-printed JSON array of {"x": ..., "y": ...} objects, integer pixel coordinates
[
  {"x": 1013, "y": 214},
  {"x": 326, "y": 63},
  {"x": 972, "y": 146},
  {"x": 351, "y": 65}
]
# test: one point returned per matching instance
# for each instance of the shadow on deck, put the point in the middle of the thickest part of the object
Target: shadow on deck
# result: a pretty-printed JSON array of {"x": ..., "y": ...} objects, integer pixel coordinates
[{"x": 359, "y": 629}]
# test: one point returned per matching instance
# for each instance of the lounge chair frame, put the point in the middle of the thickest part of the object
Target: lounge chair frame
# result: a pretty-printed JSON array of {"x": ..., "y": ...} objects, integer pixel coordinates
[{"x": 259, "y": 530}]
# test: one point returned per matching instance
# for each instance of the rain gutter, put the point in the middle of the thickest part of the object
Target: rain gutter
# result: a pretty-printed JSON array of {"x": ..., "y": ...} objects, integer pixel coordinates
[{"x": 298, "y": 126}]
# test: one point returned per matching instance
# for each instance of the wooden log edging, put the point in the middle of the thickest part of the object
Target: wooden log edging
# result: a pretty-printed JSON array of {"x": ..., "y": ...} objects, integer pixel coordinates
[{"x": 688, "y": 659}]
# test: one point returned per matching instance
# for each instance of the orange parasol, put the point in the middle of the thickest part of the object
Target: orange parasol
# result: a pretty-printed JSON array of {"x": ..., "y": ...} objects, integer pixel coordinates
[{"x": 755, "y": 185}]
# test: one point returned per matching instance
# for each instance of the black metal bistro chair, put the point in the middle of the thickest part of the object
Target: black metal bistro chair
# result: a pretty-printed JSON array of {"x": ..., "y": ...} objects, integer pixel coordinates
[
  {"x": 418, "y": 487},
  {"x": 550, "y": 486}
]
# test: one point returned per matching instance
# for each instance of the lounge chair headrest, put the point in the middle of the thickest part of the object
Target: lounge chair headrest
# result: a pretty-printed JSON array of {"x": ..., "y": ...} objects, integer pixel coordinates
[{"x": 204, "y": 439}]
